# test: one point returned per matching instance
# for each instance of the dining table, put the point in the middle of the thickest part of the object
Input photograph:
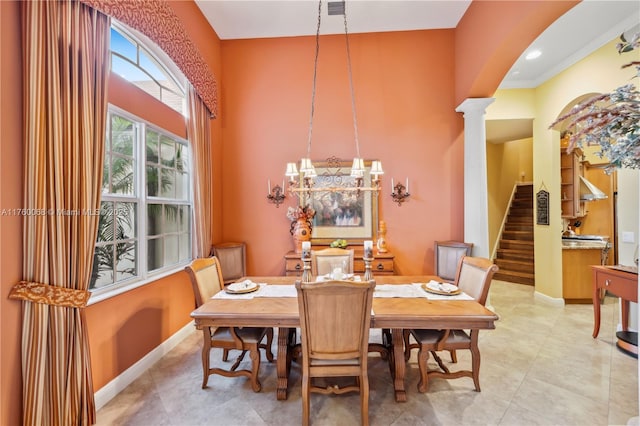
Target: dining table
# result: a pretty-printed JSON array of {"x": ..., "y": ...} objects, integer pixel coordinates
[{"x": 275, "y": 305}]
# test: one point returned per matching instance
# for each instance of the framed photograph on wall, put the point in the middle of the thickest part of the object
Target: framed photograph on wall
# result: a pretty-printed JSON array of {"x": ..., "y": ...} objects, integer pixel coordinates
[{"x": 348, "y": 215}]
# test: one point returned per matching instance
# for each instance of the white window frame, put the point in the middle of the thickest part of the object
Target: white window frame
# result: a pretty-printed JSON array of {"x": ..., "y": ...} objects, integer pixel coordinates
[{"x": 143, "y": 275}]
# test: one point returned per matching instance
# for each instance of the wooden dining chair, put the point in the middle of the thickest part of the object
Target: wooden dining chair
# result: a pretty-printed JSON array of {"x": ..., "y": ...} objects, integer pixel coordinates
[
  {"x": 335, "y": 317},
  {"x": 206, "y": 279},
  {"x": 474, "y": 278},
  {"x": 323, "y": 261},
  {"x": 447, "y": 256}
]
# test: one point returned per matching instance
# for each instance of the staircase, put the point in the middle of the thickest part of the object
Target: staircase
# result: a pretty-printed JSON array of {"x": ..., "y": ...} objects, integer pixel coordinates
[{"x": 515, "y": 253}]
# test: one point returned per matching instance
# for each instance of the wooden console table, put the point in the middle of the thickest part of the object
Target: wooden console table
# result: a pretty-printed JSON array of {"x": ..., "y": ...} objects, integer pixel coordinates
[
  {"x": 381, "y": 265},
  {"x": 622, "y": 282}
]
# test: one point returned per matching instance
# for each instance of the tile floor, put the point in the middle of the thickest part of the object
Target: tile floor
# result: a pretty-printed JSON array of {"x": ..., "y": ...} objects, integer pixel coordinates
[{"x": 540, "y": 366}]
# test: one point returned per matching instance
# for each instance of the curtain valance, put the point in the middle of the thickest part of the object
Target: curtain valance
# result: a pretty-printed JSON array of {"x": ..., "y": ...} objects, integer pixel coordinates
[{"x": 159, "y": 22}]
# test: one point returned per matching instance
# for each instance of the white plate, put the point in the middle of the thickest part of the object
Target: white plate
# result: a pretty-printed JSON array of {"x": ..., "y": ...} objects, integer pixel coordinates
[
  {"x": 442, "y": 287},
  {"x": 242, "y": 287}
]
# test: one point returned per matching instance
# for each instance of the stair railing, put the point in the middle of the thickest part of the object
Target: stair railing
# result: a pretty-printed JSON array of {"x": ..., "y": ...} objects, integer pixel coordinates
[{"x": 494, "y": 253}]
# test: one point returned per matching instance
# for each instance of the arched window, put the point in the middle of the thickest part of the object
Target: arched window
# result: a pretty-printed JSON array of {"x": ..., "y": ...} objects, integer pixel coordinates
[{"x": 134, "y": 60}]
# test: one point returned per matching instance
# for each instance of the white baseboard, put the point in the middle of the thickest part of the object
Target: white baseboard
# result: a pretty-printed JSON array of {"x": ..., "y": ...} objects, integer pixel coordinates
[
  {"x": 555, "y": 301},
  {"x": 117, "y": 385}
]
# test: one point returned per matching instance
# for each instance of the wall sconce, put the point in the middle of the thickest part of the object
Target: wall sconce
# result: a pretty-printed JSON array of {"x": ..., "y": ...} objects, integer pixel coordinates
[
  {"x": 400, "y": 192},
  {"x": 276, "y": 195}
]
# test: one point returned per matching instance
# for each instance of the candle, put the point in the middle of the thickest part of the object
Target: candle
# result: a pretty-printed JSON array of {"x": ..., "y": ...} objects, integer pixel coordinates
[
  {"x": 368, "y": 249},
  {"x": 406, "y": 189},
  {"x": 269, "y": 186},
  {"x": 392, "y": 187}
]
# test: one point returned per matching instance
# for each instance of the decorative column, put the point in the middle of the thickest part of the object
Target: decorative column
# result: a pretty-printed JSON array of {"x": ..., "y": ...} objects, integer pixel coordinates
[
  {"x": 476, "y": 210},
  {"x": 476, "y": 207}
]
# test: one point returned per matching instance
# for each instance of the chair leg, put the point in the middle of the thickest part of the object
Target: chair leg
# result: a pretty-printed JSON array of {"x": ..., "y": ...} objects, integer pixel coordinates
[
  {"x": 423, "y": 384},
  {"x": 364, "y": 399},
  {"x": 440, "y": 363},
  {"x": 254, "y": 353},
  {"x": 206, "y": 349},
  {"x": 454, "y": 356},
  {"x": 267, "y": 346},
  {"x": 305, "y": 399},
  {"x": 225, "y": 355}
]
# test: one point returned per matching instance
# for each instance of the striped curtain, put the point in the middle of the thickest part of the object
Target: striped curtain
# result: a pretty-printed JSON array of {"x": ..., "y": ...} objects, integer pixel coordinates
[
  {"x": 198, "y": 132},
  {"x": 66, "y": 66}
]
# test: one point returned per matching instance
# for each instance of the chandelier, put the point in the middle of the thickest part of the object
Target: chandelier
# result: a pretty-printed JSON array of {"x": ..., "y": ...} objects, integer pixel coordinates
[{"x": 302, "y": 180}]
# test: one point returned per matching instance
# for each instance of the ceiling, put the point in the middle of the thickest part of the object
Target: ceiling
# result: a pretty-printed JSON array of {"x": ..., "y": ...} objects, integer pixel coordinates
[{"x": 583, "y": 29}]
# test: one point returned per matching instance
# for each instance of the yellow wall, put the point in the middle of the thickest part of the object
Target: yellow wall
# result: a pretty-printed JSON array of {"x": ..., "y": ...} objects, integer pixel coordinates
[
  {"x": 599, "y": 72},
  {"x": 506, "y": 162}
]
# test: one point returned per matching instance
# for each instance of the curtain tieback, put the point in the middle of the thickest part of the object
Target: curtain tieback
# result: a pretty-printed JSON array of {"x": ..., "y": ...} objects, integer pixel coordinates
[{"x": 50, "y": 294}]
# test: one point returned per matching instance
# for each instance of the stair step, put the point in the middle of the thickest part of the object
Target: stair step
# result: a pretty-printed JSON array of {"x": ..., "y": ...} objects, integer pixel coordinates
[
  {"x": 515, "y": 277},
  {"x": 518, "y": 245},
  {"x": 522, "y": 204},
  {"x": 507, "y": 265},
  {"x": 520, "y": 219},
  {"x": 518, "y": 227},
  {"x": 512, "y": 254},
  {"x": 518, "y": 211},
  {"x": 518, "y": 235}
]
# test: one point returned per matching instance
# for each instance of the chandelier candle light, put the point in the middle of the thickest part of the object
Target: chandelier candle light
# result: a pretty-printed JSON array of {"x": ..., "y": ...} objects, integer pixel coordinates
[{"x": 307, "y": 170}]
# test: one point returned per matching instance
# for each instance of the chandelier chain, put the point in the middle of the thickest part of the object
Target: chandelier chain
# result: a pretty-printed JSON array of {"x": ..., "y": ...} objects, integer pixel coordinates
[
  {"x": 353, "y": 96},
  {"x": 315, "y": 74}
]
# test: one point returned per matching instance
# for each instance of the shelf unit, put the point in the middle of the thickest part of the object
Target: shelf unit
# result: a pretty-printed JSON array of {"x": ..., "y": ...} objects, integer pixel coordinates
[{"x": 571, "y": 169}]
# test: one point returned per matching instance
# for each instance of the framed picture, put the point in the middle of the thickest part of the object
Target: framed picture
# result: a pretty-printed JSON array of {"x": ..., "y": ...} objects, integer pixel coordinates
[{"x": 346, "y": 215}]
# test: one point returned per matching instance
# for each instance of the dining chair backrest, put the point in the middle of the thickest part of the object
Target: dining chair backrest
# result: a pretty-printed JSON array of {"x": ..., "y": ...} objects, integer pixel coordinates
[
  {"x": 206, "y": 278},
  {"x": 474, "y": 277},
  {"x": 324, "y": 261},
  {"x": 447, "y": 257},
  {"x": 232, "y": 259},
  {"x": 335, "y": 318}
]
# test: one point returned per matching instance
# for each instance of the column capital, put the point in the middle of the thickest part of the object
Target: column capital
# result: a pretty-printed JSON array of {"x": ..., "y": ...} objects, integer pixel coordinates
[{"x": 475, "y": 105}]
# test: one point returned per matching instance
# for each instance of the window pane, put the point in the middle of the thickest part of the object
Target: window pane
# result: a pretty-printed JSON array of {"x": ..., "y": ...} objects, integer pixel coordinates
[
  {"x": 184, "y": 220},
  {"x": 154, "y": 219},
  {"x": 125, "y": 214},
  {"x": 122, "y": 134},
  {"x": 170, "y": 250},
  {"x": 168, "y": 151},
  {"x": 106, "y": 173},
  {"x": 182, "y": 186},
  {"x": 168, "y": 183},
  {"x": 171, "y": 218},
  {"x": 182, "y": 158},
  {"x": 151, "y": 66},
  {"x": 152, "y": 139},
  {"x": 105, "y": 223},
  {"x": 152, "y": 181},
  {"x": 185, "y": 247},
  {"x": 122, "y": 175},
  {"x": 125, "y": 260},
  {"x": 102, "y": 273},
  {"x": 154, "y": 254},
  {"x": 122, "y": 45},
  {"x": 127, "y": 70}
]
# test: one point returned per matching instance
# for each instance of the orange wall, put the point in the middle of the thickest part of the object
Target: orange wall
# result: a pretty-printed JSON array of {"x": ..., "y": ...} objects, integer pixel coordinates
[
  {"x": 10, "y": 197},
  {"x": 492, "y": 35},
  {"x": 407, "y": 85},
  {"x": 404, "y": 98}
]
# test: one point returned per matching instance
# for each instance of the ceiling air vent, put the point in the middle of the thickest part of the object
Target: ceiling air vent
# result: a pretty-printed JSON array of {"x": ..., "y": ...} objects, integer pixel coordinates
[{"x": 336, "y": 7}]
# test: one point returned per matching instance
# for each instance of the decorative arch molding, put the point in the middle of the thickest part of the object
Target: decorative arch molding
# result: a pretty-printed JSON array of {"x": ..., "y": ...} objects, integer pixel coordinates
[{"x": 159, "y": 22}]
